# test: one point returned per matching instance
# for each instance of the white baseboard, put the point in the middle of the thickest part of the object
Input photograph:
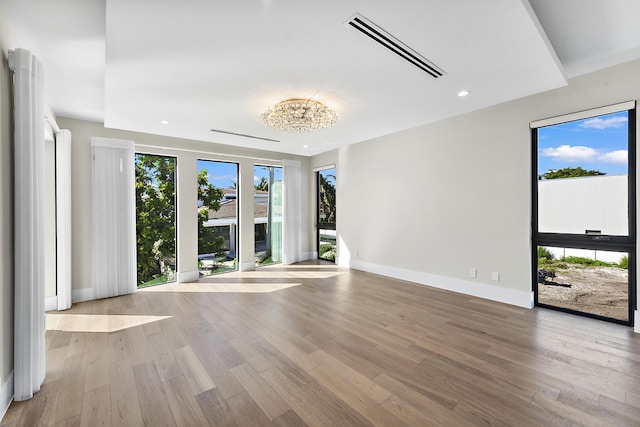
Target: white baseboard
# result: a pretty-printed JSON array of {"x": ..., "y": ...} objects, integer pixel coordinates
[
  {"x": 476, "y": 289},
  {"x": 51, "y": 303},
  {"x": 248, "y": 266},
  {"x": 309, "y": 255},
  {"x": 187, "y": 276},
  {"x": 6, "y": 395},
  {"x": 83, "y": 294},
  {"x": 636, "y": 322},
  {"x": 346, "y": 262}
]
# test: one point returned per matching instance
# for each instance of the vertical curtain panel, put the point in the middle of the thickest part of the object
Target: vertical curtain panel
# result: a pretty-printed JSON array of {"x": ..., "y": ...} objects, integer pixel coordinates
[
  {"x": 63, "y": 218},
  {"x": 292, "y": 211},
  {"x": 114, "y": 222},
  {"x": 29, "y": 318}
]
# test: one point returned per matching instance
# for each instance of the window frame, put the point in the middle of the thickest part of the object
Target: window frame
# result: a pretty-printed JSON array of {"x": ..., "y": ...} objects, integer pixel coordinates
[{"x": 585, "y": 241}]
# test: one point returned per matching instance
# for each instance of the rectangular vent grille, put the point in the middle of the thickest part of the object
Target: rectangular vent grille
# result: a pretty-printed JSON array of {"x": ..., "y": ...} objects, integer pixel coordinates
[
  {"x": 244, "y": 135},
  {"x": 368, "y": 28}
]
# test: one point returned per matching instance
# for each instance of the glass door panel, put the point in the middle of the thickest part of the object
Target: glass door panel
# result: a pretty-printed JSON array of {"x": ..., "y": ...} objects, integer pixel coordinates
[
  {"x": 267, "y": 213},
  {"x": 326, "y": 217},
  {"x": 588, "y": 281},
  {"x": 155, "y": 219},
  {"x": 217, "y": 217}
]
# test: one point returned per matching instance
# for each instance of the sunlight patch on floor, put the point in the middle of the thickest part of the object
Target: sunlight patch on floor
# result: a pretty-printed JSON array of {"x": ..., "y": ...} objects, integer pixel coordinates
[
  {"x": 248, "y": 288},
  {"x": 97, "y": 322},
  {"x": 283, "y": 274}
]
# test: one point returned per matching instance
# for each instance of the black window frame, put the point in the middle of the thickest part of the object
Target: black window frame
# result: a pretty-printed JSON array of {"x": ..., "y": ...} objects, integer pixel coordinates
[{"x": 585, "y": 241}]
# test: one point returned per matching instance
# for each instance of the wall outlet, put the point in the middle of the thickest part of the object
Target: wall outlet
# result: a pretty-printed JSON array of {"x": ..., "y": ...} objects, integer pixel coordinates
[
  {"x": 495, "y": 276},
  {"x": 473, "y": 272}
]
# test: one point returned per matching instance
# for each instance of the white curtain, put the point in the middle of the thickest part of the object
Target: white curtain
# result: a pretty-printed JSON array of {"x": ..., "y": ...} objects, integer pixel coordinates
[
  {"x": 292, "y": 211},
  {"x": 29, "y": 318},
  {"x": 114, "y": 227},
  {"x": 63, "y": 218}
]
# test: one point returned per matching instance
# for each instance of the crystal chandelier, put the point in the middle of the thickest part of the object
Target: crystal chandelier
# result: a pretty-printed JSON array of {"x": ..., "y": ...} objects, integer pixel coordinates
[{"x": 299, "y": 115}]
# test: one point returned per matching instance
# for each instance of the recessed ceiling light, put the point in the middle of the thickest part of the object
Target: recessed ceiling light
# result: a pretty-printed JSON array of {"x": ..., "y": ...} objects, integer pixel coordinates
[
  {"x": 164, "y": 122},
  {"x": 305, "y": 146},
  {"x": 463, "y": 93}
]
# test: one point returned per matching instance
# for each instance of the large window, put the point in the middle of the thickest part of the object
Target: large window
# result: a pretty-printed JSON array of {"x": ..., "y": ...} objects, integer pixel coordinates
[
  {"x": 217, "y": 217},
  {"x": 155, "y": 219},
  {"x": 584, "y": 213},
  {"x": 267, "y": 214},
  {"x": 326, "y": 215}
]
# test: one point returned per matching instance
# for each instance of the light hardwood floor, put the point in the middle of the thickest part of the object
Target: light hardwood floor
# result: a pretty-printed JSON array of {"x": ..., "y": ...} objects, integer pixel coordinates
[{"x": 316, "y": 345}]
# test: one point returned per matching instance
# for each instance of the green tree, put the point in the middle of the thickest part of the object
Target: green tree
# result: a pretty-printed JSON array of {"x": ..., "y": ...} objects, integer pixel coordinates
[
  {"x": 327, "y": 199},
  {"x": 155, "y": 215},
  {"x": 570, "y": 173},
  {"x": 263, "y": 185},
  {"x": 210, "y": 196}
]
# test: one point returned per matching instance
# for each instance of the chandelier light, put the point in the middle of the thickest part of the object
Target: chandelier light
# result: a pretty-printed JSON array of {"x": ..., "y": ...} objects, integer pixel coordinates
[{"x": 299, "y": 115}]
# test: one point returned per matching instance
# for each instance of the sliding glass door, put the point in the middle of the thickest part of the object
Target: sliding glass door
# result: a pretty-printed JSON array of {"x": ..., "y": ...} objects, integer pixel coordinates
[
  {"x": 584, "y": 214},
  {"x": 155, "y": 219},
  {"x": 217, "y": 217}
]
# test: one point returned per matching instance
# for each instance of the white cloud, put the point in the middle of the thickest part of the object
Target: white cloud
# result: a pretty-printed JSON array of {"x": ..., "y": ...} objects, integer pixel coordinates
[
  {"x": 598, "y": 123},
  {"x": 255, "y": 179},
  {"x": 618, "y": 157},
  {"x": 569, "y": 153},
  {"x": 223, "y": 177},
  {"x": 578, "y": 153}
]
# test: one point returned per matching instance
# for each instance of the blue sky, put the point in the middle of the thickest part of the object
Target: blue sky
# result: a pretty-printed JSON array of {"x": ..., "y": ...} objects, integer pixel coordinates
[
  {"x": 329, "y": 175},
  {"x": 223, "y": 175},
  {"x": 596, "y": 143}
]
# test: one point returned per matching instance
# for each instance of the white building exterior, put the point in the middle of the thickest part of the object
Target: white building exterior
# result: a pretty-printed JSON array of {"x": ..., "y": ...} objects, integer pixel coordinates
[{"x": 596, "y": 204}]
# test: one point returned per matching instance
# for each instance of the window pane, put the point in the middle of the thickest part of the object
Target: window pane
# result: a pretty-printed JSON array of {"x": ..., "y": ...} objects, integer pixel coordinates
[
  {"x": 217, "y": 217},
  {"x": 267, "y": 210},
  {"x": 589, "y": 281},
  {"x": 155, "y": 219},
  {"x": 583, "y": 176},
  {"x": 327, "y": 214},
  {"x": 327, "y": 190}
]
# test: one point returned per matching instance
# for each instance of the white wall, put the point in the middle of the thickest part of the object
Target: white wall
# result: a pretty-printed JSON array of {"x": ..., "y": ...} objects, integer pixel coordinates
[
  {"x": 187, "y": 153},
  {"x": 428, "y": 203}
]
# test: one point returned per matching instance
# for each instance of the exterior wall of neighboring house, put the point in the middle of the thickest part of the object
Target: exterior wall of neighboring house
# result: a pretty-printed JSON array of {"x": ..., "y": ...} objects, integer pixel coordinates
[
  {"x": 575, "y": 205},
  {"x": 224, "y": 220},
  {"x": 598, "y": 204}
]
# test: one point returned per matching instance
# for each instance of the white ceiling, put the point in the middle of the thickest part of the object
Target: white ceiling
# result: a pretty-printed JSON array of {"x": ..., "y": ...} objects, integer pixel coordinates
[{"x": 204, "y": 64}]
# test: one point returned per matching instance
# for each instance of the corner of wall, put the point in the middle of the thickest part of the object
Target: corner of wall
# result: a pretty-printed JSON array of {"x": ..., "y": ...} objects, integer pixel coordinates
[{"x": 636, "y": 328}]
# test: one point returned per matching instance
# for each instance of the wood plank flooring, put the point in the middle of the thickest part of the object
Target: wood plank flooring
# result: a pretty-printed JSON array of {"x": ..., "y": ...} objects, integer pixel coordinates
[{"x": 316, "y": 345}]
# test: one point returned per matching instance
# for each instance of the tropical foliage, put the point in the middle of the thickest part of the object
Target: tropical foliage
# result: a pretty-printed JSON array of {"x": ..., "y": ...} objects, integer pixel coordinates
[
  {"x": 210, "y": 197},
  {"x": 155, "y": 216},
  {"x": 570, "y": 173},
  {"x": 327, "y": 199}
]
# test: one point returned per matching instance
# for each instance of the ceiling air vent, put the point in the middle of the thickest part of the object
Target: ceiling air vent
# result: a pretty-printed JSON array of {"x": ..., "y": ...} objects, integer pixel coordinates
[
  {"x": 368, "y": 28},
  {"x": 244, "y": 135}
]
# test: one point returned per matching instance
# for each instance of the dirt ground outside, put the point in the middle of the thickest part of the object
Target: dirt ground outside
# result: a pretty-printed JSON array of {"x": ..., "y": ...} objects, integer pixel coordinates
[{"x": 596, "y": 290}]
